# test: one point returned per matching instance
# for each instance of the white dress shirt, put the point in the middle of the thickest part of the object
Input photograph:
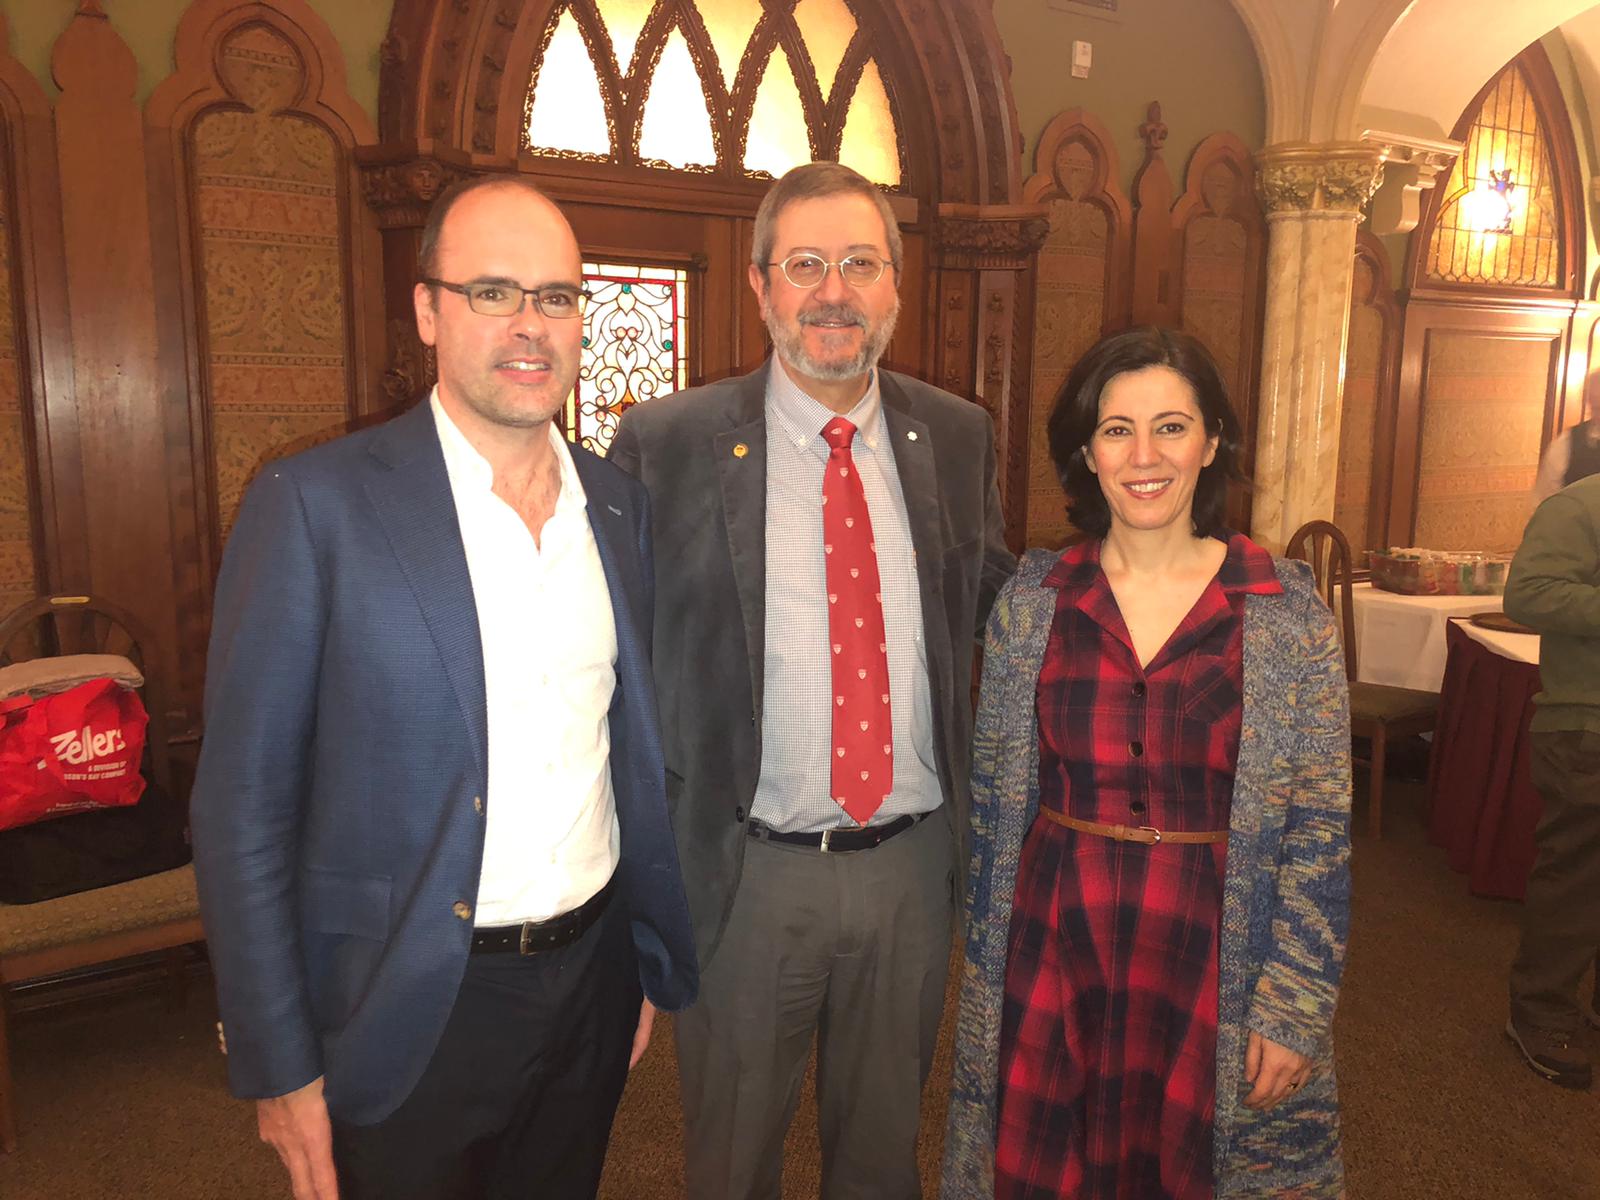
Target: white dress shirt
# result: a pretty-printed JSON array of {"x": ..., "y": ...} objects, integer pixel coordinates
[{"x": 549, "y": 671}]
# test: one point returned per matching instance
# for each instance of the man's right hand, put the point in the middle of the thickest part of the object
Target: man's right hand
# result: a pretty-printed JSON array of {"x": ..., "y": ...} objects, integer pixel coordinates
[{"x": 296, "y": 1126}]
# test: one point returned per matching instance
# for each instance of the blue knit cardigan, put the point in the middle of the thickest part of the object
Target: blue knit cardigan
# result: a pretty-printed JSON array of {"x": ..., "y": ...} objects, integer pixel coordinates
[{"x": 1286, "y": 891}]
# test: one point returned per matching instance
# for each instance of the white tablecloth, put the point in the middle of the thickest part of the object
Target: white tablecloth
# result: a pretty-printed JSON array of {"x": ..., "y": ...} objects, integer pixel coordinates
[
  {"x": 1518, "y": 647},
  {"x": 1400, "y": 639}
]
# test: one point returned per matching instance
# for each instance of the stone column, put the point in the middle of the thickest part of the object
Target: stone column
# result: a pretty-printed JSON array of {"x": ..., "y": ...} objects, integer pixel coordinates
[{"x": 1313, "y": 195}]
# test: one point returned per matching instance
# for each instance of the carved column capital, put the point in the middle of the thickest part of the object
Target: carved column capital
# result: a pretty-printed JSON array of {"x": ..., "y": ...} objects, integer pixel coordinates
[
  {"x": 1333, "y": 177},
  {"x": 401, "y": 193},
  {"x": 990, "y": 236}
]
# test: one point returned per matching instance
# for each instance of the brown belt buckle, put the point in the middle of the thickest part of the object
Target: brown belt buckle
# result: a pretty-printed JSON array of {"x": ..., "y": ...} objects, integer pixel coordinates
[{"x": 1151, "y": 829}]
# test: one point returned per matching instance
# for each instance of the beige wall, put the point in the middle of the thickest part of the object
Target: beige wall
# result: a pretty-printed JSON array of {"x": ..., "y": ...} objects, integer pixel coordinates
[
  {"x": 1194, "y": 56},
  {"x": 149, "y": 27}
]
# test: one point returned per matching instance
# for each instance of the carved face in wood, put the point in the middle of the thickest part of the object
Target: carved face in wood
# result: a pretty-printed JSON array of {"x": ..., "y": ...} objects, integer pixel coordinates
[
  {"x": 514, "y": 371},
  {"x": 833, "y": 331}
]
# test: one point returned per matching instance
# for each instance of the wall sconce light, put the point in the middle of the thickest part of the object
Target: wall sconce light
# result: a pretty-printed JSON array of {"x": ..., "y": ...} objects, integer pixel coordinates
[{"x": 1490, "y": 206}]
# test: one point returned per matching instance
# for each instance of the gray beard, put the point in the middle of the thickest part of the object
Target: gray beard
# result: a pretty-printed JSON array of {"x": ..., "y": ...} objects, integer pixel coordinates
[{"x": 790, "y": 345}]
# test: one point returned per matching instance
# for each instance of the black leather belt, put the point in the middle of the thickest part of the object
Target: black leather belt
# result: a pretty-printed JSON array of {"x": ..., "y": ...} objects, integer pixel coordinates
[
  {"x": 536, "y": 937},
  {"x": 839, "y": 841}
]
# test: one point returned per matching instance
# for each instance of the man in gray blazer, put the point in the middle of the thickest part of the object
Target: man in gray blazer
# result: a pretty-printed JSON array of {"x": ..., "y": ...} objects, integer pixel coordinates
[{"x": 828, "y": 540}]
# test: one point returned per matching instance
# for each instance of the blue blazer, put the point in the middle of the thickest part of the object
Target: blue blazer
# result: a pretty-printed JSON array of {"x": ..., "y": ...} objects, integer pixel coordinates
[{"x": 338, "y": 813}]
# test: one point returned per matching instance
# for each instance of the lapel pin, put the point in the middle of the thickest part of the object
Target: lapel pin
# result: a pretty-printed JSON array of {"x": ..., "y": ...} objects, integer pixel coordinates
[
  {"x": 740, "y": 450},
  {"x": 614, "y": 509},
  {"x": 911, "y": 435}
]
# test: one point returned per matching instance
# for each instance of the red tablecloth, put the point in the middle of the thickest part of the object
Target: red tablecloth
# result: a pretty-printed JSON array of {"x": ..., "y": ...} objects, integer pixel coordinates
[{"x": 1482, "y": 805}]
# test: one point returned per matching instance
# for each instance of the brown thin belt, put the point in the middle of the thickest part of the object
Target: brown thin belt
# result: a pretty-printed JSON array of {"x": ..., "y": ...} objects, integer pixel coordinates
[{"x": 1145, "y": 835}]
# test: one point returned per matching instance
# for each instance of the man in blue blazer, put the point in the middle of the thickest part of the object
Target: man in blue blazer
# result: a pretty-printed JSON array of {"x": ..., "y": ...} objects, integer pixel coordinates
[{"x": 430, "y": 828}]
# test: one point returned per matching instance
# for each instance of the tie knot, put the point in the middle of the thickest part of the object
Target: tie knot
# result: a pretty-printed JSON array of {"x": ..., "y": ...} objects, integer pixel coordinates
[{"x": 838, "y": 432}]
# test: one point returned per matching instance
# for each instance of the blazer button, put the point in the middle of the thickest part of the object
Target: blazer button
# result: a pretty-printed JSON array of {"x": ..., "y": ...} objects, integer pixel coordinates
[
  {"x": 462, "y": 909},
  {"x": 477, "y": 805},
  {"x": 738, "y": 814}
]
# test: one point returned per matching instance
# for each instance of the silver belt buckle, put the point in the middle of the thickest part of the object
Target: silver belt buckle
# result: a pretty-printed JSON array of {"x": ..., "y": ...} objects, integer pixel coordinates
[
  {"x": 522, "y": 943},
  {"x": 827, "y": 836}
]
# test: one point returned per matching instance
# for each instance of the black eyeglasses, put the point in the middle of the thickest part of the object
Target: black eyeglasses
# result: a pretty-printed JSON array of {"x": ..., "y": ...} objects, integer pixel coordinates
[
  {"x": 809, "y": 270},
  {"x": 556, "y": 301}
]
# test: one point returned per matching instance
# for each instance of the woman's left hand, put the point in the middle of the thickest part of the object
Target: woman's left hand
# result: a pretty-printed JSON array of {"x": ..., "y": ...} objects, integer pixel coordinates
[{"x": 1276, "y": 1071}]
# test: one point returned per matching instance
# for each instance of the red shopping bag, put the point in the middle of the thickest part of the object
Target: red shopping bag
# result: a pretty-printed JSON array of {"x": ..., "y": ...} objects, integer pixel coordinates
[{"x": 75, "y": 750}]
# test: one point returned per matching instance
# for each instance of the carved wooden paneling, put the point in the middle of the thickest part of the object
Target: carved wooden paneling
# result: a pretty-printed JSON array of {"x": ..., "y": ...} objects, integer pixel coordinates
[
  {"x": 119, "y": 390},
  {"x": 277, "y": 256},
  {"x": 1080, "y": 284},
  {"x": 42, "y": 542},
  {"x": 1219, "y": 263},
  {"x": 1483, "y": 407},
  {"x": 1366, "y": 421}
]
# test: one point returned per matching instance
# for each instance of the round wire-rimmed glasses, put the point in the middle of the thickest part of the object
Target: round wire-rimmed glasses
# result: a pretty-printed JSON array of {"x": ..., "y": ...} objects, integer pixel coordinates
[{"x": 809, "y": 270}]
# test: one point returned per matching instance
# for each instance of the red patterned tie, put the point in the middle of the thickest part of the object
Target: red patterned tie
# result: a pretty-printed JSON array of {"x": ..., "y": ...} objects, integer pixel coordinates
[{"x": 863, "y": 734}]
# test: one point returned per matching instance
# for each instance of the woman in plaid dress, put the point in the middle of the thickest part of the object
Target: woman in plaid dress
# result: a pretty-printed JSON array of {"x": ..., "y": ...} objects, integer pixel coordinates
[{"x": 1159, "y": 896}]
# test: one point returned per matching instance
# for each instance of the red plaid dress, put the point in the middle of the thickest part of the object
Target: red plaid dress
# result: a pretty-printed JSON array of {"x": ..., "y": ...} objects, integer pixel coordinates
[{"x": 1107, "y": 1080}]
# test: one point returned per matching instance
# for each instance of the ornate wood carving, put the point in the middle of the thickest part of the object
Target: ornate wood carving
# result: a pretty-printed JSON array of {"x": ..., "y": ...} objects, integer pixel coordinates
[
  {"x": 274, "y": 261},
  {"x": 1079, "y": 289},
  {"x": 1153, "y": 267},
  {"x": 1218, "y": 269}
]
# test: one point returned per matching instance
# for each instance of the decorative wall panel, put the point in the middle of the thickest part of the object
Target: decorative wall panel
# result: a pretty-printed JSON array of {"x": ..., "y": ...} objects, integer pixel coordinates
[
  {"x": 1483, "y": 409},
  {"x": 19, "y": 579},
  {"x": 1222, "y": 234},
  {"x": 266, "y": 189},
  {"x": 1080, "y": 281},
  {"x": 1369, "y": 367}
]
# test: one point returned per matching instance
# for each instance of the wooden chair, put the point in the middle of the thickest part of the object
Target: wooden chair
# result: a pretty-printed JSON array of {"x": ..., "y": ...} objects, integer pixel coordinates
[
  {"x": 157, "y": 913},
  {"x": 1377, "y": 711}
]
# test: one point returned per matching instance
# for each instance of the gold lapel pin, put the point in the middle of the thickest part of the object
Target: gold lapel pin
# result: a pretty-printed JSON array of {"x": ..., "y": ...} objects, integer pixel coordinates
[{"x": 740, "y": 450}]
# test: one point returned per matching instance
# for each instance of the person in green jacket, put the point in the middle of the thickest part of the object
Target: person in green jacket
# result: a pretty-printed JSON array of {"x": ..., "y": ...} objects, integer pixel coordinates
[{"x": 1554, "y": 588}]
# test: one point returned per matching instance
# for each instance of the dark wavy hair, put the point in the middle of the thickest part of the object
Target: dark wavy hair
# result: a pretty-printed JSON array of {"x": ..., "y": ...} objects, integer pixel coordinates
[{"x": 1077, "y": 411}]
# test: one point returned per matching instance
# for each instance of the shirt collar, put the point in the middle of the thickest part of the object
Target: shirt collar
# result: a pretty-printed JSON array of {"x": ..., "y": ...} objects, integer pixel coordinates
[
  {"x": 801, "y": 418},
  {"x": 470, "y": 470}
]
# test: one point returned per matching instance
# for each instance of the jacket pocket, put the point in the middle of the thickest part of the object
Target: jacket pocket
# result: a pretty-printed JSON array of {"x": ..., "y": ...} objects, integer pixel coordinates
[{"x": 345, "y": 902}]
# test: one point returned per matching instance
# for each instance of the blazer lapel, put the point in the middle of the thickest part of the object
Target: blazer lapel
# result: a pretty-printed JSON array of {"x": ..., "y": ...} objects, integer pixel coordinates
[
  {"x": 417, "y": 509},
  {"x": 741, "y": 456},
  {"x": 607, "y": 511},
  {"x": 919, "y": 483}
]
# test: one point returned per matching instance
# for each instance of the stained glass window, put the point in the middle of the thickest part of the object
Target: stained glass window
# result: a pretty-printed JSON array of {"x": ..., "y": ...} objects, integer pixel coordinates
[
  {"x": 778, "y": 138},
  {"x": 671, "y": 94},
  {"x": 565, "y": 108},
  {"x": 1499, "y": 221},
  {"x": 869, "y": 142},
  {"x": 676, "y": 128},
  {"x": 635, "y": 346},
  {"x": 827, "y": 27},
  {"x": 729, "y": 23},
  {"x": 624, "y": 21}
]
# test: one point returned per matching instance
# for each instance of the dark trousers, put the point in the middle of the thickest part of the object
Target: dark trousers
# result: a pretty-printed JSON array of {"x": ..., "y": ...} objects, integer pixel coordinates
[
  {"x": 852, "y": 949},
  {"x": 1561, "y": 913},
  {"x": 518, "y": 1098}
]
